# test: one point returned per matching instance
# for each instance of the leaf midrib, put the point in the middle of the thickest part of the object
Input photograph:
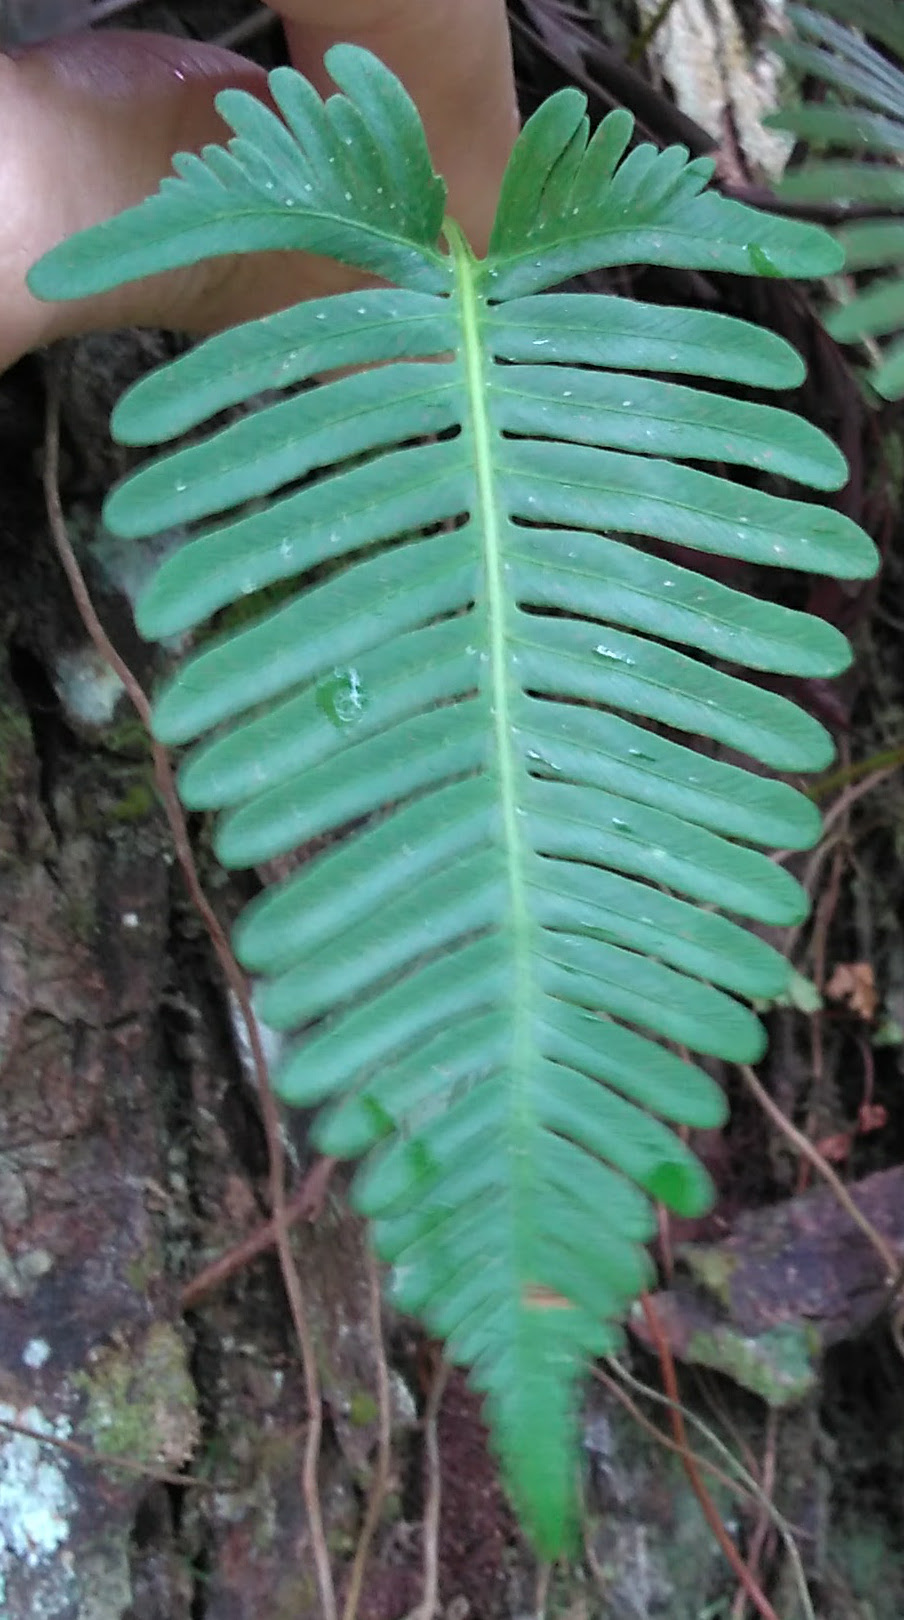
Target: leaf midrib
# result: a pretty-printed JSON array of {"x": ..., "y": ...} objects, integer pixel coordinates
[{"x": 522, "y": 1121}]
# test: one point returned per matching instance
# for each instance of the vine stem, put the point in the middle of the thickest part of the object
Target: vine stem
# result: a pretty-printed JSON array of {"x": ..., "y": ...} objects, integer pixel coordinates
[
  {"x": 426, "y": 1609},
  {"x": 744, "y": 1484},
  {"x": 112, "y": 1459},
  {"x": 710, "y": 1511},
  {"x": 762, "y": 1529},
  {"x": 304, "y": 1204},
  {"x": 380, "y": 1483},
  {"x": 232, "y": 973},
  {"x": 809, "y": 1151}
]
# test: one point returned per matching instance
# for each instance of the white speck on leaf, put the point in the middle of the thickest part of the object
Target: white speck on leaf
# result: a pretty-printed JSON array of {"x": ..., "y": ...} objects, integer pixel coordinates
[{"x": 614, "y": 654}]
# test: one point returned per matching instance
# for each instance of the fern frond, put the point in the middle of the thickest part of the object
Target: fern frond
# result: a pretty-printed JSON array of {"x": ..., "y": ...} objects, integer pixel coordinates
[
  {"x": 864, "y": 117},
  {"x": 350, "y": 179},
  {"x": 472, "y": 694}
]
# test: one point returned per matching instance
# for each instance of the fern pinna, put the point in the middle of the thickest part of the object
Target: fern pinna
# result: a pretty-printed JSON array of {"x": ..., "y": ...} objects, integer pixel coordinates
[
  {"x": 470, "y": 691},
  {"x": 860, "y": 124}
]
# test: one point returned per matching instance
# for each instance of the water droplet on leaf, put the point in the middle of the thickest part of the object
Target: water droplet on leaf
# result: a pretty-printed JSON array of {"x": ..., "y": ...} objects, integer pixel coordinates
[
  {"x": 762, "y": 262},
  {"x": 341, "y": 697}
]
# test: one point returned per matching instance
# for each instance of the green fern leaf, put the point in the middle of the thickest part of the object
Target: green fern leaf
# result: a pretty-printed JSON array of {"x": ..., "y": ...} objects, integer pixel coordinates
[
  {"x": 472, "y": 695},
  {"x": 568, "y": 206},
  {"x": 350, "y": 179},
  {"x": 866, "y": 118},
  {"x": 880, "y": 19}
]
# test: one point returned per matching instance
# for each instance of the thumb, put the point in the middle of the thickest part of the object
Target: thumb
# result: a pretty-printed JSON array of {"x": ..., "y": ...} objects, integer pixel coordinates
[{"x": 88, "y": 126}]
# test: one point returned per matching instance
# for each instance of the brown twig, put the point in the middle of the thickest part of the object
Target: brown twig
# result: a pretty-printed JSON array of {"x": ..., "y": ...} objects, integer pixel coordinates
[
  {"x": 874, "y": 769},
  {"x": 722, "y": 1415},
  {"x": 100, "y": 1459},
  {"x": 764, "y": 1521},
  {"x": 855, "y": 791},
  {"x": 744, "y": 1484},
  {"x": 541, "y": 1590},
  {"x": 232, "y": 973},
  {"x": 303, "y": 1205},
  {"x": 429, "y": 1603},
  {"x": 708, "y": 1507},
  {"x": 380, "y": 1483},
  {"x": 821, "y": 1165},
  {"x": 601, "y": 1581},
  {"x": 664, "y": 1234},
  {"x": 837, "y": 809},
  {"x": 661, "y": 1438},
  {"x": 825, "y": 915},
  {"x": 818, "y": 952},
  {"x": 807, "y": 882}
]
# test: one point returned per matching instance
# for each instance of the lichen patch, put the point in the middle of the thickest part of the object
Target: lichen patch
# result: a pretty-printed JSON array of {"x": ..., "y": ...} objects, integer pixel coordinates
[{"x": 35, "y": 1499}]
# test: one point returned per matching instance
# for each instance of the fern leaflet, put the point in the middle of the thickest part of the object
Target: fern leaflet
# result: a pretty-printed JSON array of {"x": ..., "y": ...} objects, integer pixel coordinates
[{"x": 863, "y": 116}]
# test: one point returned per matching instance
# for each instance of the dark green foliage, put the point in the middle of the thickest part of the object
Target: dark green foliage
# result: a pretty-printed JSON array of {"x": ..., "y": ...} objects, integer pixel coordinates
[
  {"x": 518, "y": 901},
  {"x": 861, "y": 124}
]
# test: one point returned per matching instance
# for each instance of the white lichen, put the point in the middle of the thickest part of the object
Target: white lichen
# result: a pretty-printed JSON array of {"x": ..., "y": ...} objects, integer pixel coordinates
[
  {"x": 36, "y": 1353},
  {"x": 86, "y": 686},
  {"x": 35, "y": 1500}
]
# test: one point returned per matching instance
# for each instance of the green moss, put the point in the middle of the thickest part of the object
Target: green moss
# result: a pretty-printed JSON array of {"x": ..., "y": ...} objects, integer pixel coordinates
[
  {"x": 868, "y": 1560},
  {"x": 15, "y": 728},
  {"x": 141, "y": 1270},
  {"x": 871, "y": 1563},
  {"x": 362, "y": 1409},
  {"x": 340, "y": 1541},
  {"x": 127, "y": 737},
  {"x": 393, "y": 1508},
  {"x": 778, "y": 1365},
  {"x": 296, "y": 1598},
  {"x": 140, "y": 1400},
  {"x": 79, "y": 916},
  {"x": 15, "y": 740},
  {"x": 137, "y": 802},
  {"x": 713, "y": 1268}
]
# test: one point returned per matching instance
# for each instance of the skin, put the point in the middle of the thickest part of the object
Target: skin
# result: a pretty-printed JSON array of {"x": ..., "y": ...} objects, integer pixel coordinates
[{"x": 89, "y": 123}]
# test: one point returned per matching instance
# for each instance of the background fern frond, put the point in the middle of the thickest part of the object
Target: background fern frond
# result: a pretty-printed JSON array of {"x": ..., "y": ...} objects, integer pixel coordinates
[
  {"x": 863, "y": 116},
  {"x": 473, "y": 692}
]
